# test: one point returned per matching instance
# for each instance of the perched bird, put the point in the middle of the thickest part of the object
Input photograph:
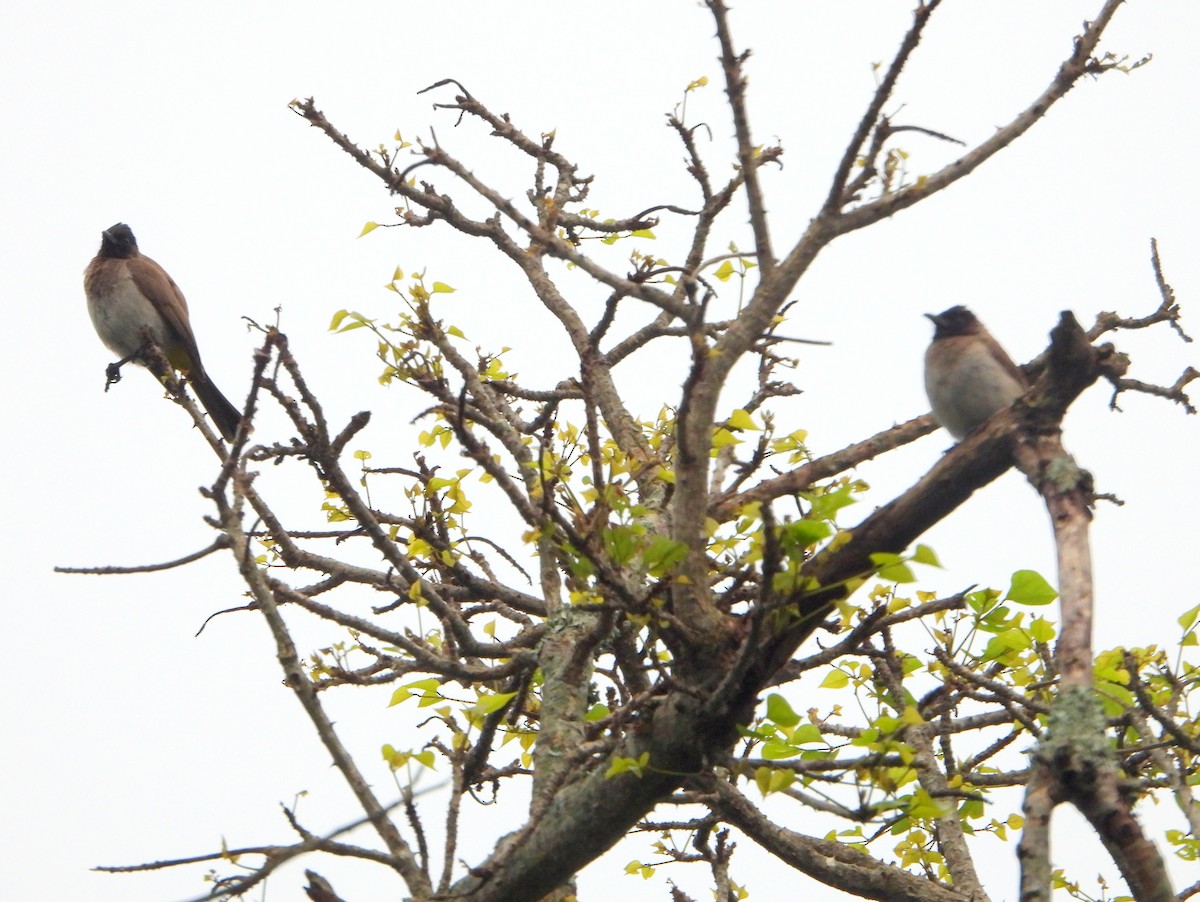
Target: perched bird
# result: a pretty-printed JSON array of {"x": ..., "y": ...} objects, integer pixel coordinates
[
  {"x": 968, "y": 376},
  {"x": 133, "y": 301}
]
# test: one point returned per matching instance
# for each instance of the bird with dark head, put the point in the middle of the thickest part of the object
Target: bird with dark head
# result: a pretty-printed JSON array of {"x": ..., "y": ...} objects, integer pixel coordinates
[
  {"x": 132, "y": 301},
  {"x": 968, "y": 376}
]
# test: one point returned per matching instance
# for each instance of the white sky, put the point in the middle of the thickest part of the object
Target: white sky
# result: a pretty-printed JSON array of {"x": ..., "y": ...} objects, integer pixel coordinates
[{"x": 126, "y": 738}]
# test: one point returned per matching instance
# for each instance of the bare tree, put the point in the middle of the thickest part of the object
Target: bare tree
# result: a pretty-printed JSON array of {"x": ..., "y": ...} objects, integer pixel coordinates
[{"x": 649, "y": 663}]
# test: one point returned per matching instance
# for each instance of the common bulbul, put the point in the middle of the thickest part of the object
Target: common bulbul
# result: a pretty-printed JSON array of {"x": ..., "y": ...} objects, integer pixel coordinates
[
  {"x": 968, "y": 376},
  {"x": 133, "y": 301}
]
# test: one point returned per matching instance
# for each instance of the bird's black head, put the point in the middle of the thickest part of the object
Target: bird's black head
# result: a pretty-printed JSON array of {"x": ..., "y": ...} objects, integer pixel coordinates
[
  {"x": 955, "y": 321},
  {"x": 118, "y": 241}
]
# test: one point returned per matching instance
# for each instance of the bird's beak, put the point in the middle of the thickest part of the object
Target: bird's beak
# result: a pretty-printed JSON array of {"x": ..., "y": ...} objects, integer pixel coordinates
[{"x": 931, "y": 316}]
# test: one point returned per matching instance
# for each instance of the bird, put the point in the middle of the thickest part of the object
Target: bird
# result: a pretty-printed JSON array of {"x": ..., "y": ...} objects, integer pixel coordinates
[
  {"x": 132, "y": 302},
  {"x": 968, "y": 376}
]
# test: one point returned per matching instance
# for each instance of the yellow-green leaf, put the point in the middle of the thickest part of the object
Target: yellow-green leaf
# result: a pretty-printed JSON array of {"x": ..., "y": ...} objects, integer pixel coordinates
[
  {"x": 780, "y": 712},
  {"x": 488, "y": 704},
  {"x": 1042, "y": 630},
  {"x": 740, "y": 419},
  {"x": 636, "y": 867},
  {"x": 925, "y": 555},
  {"x": 636, "y": 766},
  {"x": 598, "y": 711},
  {"x": 774, "y": 750},
  {"x": 723, "y": 438},
  {"x": 835, "y": 679},
  {"x": 1030, "y": 588},
  {"x": 897, "y": 573}
]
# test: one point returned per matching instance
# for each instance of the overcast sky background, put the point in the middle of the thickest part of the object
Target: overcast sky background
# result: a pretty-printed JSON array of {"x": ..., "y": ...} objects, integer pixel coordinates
[{"x": 126, "y": 739}]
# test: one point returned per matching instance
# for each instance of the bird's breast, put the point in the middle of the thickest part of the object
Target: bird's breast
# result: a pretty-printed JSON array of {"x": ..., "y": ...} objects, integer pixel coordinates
[
  {"x": 966, "y": 384},
  {"x": 124, "y": 317}
]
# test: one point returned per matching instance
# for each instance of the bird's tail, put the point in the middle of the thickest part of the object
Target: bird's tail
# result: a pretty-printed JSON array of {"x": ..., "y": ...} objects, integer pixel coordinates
[{"x": 224, "y": 415}]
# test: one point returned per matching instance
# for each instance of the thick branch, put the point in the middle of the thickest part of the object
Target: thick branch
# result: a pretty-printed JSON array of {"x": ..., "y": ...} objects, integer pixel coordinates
[
  {"x": 1075, "y": 762},
  {"x": 970, "y": 465},
  {"x": 832, "y": 863}
]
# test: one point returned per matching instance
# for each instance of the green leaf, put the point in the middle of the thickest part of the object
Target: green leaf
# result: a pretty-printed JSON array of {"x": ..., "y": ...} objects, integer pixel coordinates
[
  {"x": 925, "y": 555},
  {"x": 442, "y": 288},
  {"x": 724, "y": 271},
  {"x": 489, "y": 704},
  {"x": 636, "y": 867},
  {"x": 774, "y": 750},
  {"x": 780, "y": 712},
  {"x": 1030, "y": 588},
  {"x": 619, "y": 543},
  {"x": 797, "y": 536},
  {"x": 764, "y": 734},
  {"x": 981, "y": 600},
  {"x": 807, "y": 732},
  {"x": 1118, "y": 693},
  {"x": 1042, "y": 630},
  {"x": 368, "y": 228},
  {"x": 636, "y": 766},
  {"x": 835, "y": 679},
  {"x": 339, "y": 324},
  {"x": 867, "y": 738},
  {"x": 892, "y": 566},
  {"x": 596, "y": 712},
  {"x": 723, "y": 437},
  {"x": 426, "y": 690},
  {"x": 897, "y": 573},
  {"x": 662, "y": 554},
  {"x": 579, "y": 565},
  {"x": 1007, "y": 642},
  {"x": 886, "y": 723},
  {"x": 773, "y": 779},
  {"x": 922, "y": 805},
  {"x": 740, "y": 419},
  {"x": 826, "y": 505},
  {"x": 1188, "y": 618}
]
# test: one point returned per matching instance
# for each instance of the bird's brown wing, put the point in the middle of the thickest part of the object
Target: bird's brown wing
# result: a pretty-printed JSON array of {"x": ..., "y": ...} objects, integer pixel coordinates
[
  {"x": 152, "y": 281},
  {"x": 1002, "y": 357}
]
